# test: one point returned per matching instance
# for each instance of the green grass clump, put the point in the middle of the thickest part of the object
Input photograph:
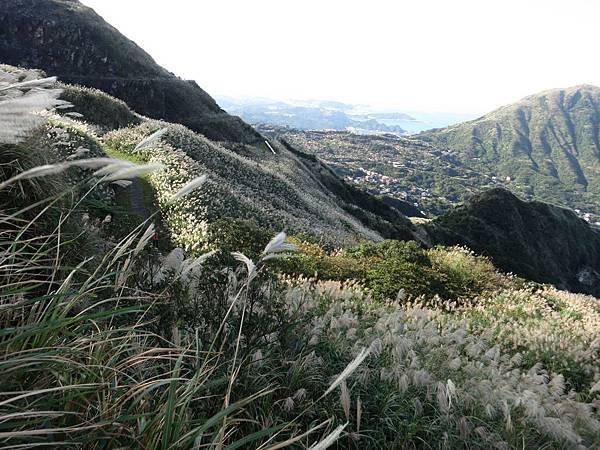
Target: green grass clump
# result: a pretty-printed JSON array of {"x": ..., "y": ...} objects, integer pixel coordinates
[
  {"x": 94, "y": 354},
  {"x": 98, "y": 108}
]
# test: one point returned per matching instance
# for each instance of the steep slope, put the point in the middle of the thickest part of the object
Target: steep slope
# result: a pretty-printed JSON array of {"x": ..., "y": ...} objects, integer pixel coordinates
[
  {"x": 407, "y": 169},
  {"x": 69, "y": 40},
  {"x": 277, "y": 191},
  {"x": 276, "y": 188},
  {"x": 547, "y": 146},
  {"x": 536, "y": 240}
]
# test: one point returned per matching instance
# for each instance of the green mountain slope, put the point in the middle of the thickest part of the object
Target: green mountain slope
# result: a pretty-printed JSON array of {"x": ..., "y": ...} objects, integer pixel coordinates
[
  {"x": 536, "y": 240},
  {"x": 69, "y": 40},
  {"x": 297, "y": 192},
  {"x": 407, "y": 169},
  {"x": 547, "y": 146}
]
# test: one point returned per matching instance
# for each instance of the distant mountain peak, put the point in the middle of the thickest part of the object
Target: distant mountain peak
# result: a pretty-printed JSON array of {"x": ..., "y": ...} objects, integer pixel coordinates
[
  {"x": 546, "y": 146},
  {"x": 556, "y": 94}
]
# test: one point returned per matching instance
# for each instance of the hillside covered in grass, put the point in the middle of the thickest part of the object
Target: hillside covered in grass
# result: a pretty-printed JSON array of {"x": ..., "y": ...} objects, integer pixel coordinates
[
  {"x": 113, "y": 339},
  {"x": 547, "y": 145},
  {"x": 285, "y": 189}
]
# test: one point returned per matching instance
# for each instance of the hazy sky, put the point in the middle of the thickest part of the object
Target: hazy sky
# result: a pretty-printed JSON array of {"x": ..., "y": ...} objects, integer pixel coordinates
[{"x": 440, "y": 55}]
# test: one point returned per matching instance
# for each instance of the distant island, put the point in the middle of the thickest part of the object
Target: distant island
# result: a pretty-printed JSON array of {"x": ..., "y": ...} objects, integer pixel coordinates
[{"x": 335, "y": 116}]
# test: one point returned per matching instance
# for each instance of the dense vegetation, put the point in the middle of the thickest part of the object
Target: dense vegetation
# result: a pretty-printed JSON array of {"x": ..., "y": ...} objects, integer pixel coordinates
[
  {"x": 134, "y": 349},
  {"x": 398, "y": 269},
  {"x": 147, "y": 301},
  {"x": 112, "y": 339}
]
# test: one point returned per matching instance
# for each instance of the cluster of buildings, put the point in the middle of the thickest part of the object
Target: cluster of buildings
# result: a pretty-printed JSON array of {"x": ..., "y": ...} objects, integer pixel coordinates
[{"x": 389, "y": 186}]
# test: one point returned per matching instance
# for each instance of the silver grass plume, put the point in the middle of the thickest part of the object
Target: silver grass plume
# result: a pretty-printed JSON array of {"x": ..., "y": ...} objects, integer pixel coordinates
[
  {"x": 144, "y": 239},
  {"x": 189, "y": 187},
  {"x": 113, "y": 167},
  {"x": 345, "y": 399},
  {"x": 189, "y": 265},
  {"x": 23, "y": 104},
  {"x": 54, "y": 169},
  {"x": 122, "y": 183},
  {"x": 42, "y": 83},
  {"x": 330, "y": 439},
  {"x": 349, "y": 369},
  {"x": 150, "y": 139},
  {"x": 278, "y": 247},
  {"x": 135, "y": 171},
  {"x": 250, "y": 266}
]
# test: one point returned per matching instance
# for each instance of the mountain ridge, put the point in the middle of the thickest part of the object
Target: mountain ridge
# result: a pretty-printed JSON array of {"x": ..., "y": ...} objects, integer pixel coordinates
[
  {"x": 536, "y": 240},
  {"x": 547, "y": 145},
  {"x": 71, "y": 41}
]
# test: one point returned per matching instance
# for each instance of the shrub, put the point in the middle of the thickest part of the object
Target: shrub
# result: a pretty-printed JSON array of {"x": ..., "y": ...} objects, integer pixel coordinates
[
  {"x": 399, "y": 270},
  {"x": 397, "y": 278},
  {"x": 466, "y": 275},
  {"x": 311, "y": 260}
]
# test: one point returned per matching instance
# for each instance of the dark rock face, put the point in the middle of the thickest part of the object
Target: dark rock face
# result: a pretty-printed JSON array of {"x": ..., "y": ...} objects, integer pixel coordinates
[
  {"x": 538, "y": 241},
  {"x": 69, "y": 40}
]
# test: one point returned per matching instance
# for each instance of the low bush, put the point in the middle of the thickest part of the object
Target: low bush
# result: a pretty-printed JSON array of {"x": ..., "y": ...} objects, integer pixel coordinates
[
  {"x": 398, "y": 270},
  {"x": 466, "y": 274}
]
